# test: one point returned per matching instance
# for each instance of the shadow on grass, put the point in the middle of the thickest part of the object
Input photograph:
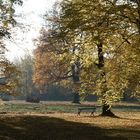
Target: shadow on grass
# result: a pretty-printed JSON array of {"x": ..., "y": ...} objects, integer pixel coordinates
[{"x": 49, "y": 128}]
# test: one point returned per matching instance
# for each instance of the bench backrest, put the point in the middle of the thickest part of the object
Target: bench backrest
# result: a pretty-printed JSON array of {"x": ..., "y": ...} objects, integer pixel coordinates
[{"x": 87, "y": 108}]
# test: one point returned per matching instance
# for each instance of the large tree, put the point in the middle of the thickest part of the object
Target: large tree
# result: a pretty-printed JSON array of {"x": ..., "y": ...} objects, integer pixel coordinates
[
  {"x": 7, "y": 69},
  {"x": 110, "y": 28},
  {"x": 102, "y": 37},
  {"x": 84, "y": 23},
  {"x": 55, "y": 64},
  {"x": 130, "y": 15}
]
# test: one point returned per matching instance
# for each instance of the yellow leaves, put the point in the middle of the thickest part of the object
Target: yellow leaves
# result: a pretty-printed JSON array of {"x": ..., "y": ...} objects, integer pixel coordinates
[
  {"x": 82, "y": 25},
  {"x": 63, "y": 57},
  {"x": 5, "y": 24},
  {"x": 10, "y": 80},
  {"x": 87, "y": 61}
]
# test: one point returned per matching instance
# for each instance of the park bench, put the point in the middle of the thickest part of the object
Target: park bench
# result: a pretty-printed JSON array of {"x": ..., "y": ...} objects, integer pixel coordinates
[{"x": 86, "y": 109}]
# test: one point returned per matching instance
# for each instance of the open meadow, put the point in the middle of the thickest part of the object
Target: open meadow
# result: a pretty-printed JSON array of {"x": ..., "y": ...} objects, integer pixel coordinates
[{"x": 59, "y": 121}]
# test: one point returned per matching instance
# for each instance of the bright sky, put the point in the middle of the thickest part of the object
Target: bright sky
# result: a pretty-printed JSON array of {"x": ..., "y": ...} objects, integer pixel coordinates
[{"x": 31, "y": 13}]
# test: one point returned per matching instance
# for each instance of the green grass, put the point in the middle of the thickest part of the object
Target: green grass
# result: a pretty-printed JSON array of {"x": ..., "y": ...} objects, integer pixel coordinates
[
  {"x": 45, "y": 107},
  {"x": 8, "y": 107}
]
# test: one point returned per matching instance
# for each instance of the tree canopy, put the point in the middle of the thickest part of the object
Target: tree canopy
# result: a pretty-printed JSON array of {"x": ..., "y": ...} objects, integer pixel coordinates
[
  {"x": 7, "y": 69},
  {"x": 98, "y": 41}
]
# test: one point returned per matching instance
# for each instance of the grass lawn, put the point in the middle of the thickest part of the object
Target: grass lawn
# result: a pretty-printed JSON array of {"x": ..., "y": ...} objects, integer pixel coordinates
[{"x": 56, "y": 122}]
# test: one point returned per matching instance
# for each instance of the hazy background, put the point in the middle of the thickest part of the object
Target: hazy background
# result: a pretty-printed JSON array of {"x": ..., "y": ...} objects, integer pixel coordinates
[{"x": 29, "y": 19}]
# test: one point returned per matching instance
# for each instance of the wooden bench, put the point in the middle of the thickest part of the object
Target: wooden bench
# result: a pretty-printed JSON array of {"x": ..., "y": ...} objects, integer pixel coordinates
[{"x": 86, "y": 109}]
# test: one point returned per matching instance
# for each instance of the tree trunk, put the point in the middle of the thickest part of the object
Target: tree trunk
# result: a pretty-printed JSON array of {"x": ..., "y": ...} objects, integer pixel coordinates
[
  {"x": 75, "y": 77},
  {"x": 76, "y": 98},
  {"x": 106, "y": 111}
]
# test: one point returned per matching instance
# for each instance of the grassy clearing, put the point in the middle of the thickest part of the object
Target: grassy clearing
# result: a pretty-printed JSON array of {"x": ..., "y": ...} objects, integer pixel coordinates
[
  {"x": 38, "y": 108},
  {"x": 63, "y": 107},
  {"x": 55, "y": 121}
]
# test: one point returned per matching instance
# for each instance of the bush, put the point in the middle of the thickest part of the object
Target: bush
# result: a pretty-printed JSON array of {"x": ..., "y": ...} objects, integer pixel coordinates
[{"x": 33, "y": 99}]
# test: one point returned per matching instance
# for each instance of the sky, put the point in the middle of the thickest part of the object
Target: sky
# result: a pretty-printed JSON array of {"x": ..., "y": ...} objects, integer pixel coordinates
[{"x": 29, "y": 14}]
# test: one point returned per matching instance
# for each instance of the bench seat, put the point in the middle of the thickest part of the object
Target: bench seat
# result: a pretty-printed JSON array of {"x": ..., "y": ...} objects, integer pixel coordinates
[{"x": 86, "y": 109}]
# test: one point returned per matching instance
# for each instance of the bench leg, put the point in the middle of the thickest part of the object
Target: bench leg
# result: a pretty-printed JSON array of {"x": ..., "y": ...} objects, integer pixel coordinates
[
  {"x": 92, "y": 113},
  {"x": 78, "y": 113}
]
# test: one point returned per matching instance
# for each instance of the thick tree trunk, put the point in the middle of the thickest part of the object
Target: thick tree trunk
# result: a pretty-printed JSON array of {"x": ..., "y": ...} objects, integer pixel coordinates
[
  {"x": 106, "y": 111},
  {"x": 76, "y": 98},
  {"x": 75, "y": 77}
]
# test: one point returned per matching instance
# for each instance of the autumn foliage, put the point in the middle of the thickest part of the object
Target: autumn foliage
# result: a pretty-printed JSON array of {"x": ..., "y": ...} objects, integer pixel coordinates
[{"x": 94, "y": 42}]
